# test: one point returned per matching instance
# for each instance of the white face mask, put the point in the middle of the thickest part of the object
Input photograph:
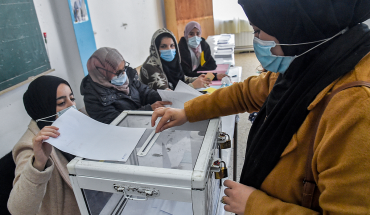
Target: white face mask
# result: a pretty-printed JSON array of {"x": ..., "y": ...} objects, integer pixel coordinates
[{"x": 59, "y": 113}]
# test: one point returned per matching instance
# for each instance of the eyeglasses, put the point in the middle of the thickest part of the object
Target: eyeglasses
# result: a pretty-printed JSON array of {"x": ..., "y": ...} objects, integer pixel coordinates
[{"x": 119, "y": 72}]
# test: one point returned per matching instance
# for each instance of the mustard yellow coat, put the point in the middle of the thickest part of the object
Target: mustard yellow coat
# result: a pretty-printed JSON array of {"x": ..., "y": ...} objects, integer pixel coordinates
[{"x": 341, "y": 161}]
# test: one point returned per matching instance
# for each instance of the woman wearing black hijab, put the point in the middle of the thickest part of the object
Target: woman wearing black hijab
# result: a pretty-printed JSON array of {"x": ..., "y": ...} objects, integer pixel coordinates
[
  {"x": 318, "y": 47},
  {"x": 41, "y": 184},
  {"x": 162, "y": 69}
]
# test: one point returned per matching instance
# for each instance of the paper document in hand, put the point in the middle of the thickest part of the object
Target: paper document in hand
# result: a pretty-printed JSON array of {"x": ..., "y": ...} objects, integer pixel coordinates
[
  {"x": 87, "y": 138},
  {"x": 182, "y": 87},
  {"x": 178, "y": 99}
]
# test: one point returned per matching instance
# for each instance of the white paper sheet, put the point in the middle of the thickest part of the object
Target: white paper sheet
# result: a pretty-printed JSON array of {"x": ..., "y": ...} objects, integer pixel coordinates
[
  {"x": 178, "y": 99},
  {"x": 182, "y": 87},
  {"x": 84, "y": 137},
  {"x": 180, "y": 95}
]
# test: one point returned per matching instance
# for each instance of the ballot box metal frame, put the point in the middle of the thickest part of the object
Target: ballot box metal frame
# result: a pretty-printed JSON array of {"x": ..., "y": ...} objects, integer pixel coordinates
[{"x": 167, "y": 184}]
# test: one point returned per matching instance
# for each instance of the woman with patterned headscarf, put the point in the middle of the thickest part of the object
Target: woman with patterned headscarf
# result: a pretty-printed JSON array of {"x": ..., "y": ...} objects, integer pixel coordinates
[
  {"x": 162, "y": 69},
  {"x": 196, "y": 53},
  {"x": 112, "y": 86},
  {"x": 308, "y": 149},
  {"x": 41, "y": 184}
]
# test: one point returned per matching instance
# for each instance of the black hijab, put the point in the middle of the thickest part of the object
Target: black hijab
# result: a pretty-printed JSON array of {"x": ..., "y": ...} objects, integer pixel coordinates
[
  {"x": 291, "y": 22},
  {"x": 172, "y": 69},
  {"x": 40, "y": 101}
]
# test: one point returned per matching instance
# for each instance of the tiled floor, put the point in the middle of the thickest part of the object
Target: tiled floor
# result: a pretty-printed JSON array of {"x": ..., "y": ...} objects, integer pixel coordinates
[{"x": 249, "y": 63}]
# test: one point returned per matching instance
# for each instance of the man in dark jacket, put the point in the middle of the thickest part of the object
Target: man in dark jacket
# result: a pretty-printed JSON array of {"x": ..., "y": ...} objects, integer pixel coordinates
[{"x": 105, "y": 100}]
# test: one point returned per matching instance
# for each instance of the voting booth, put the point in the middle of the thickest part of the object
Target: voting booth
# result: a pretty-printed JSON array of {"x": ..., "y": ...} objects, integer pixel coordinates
[{"x": 172, "y": 172}]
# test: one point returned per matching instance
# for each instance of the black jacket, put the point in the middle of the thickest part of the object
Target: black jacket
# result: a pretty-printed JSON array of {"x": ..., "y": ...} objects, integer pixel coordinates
[
  {"x": 186, "y": 63},
  {"x": 105, "y": 104}
]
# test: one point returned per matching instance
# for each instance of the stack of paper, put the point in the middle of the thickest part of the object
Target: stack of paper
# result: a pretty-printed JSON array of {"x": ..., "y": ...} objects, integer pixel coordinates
[
  {"x": 224, "y": 52},
  {"x": 224, "y": 39}
]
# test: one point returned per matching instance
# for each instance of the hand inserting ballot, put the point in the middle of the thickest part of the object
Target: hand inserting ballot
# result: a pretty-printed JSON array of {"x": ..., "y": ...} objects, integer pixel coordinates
[{"x": 170, "y": 117}]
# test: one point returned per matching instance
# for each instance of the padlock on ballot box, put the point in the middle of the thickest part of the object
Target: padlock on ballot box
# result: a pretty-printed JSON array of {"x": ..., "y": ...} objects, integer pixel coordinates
[
  {"x": 223, "y": 173},
  {"x": 224, "y": 141}
]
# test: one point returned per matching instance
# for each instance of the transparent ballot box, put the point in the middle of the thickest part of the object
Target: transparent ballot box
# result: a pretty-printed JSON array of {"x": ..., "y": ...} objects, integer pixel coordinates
[{"x": 172, "y": 172}]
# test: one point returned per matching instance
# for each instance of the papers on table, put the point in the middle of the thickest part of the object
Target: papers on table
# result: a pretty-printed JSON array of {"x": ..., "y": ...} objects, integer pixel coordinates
[
  {"x": 224, "y": 39},
  {"x": 180, "y": 95},
  {"x": 221, "y": 68},
  {"x": 210, "y": 90},
  {"x": 84, "y": 137},
  {"x": 224, "y": 52}
]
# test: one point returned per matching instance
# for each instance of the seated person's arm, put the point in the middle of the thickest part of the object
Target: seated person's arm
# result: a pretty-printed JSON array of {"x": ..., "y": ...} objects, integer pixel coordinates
[
  {"x": 96, "y": 110},
  {"x": 153, "y": 77},
  {"x": 30, "y": 181},
  {"x": 149, "y": 98}
]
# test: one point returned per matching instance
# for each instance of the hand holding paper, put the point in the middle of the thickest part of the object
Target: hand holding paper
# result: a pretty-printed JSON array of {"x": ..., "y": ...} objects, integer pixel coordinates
[{"x": 84, "y": 137}]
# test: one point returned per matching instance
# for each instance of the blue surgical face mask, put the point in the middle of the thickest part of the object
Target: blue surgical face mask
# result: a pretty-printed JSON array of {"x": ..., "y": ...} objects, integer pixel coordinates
[
  {"x": 120, "y": 80},
  {"x": 280, "y": 64},
  {"x": 59, "y": 114},
  {"x": 194, "y": 42},
  {"x": 168, "y": 55}
]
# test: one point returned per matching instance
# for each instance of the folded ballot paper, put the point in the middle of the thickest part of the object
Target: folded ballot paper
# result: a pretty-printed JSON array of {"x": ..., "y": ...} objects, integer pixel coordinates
[
  {"x": 180, "y": 95},
  {"x": 85, "y": 137}
]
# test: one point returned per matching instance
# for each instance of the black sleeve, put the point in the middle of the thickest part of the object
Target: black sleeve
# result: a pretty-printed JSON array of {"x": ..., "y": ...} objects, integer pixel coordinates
[
  {"x": 148, "y": 96},
  {"x": 96, "y": 110}
]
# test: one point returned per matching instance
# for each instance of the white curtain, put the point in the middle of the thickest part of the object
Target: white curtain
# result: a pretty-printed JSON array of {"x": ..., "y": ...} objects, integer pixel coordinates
[{"x": 229, "y": 17}]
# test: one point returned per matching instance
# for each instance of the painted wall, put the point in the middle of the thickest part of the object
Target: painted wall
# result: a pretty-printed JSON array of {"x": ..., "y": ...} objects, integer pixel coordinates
[
  {"x": 141, "y": 19},
  {"x": 54, "y": 19}
]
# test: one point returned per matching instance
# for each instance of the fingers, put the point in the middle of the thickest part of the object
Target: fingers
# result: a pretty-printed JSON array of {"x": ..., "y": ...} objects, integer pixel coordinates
[
  {"x": 165, "y": 118},
  {"x": 228, "y": 192},
  {"x": 38, "y": 139},
  {"x": 208, "y": 81},
  {"x": 165, "y": 103},
  {"x": 228, "y": 208},
  {"x": 226, "y": 200},
  {"x": 202, "y": 75},
  {"x": 229, "y": 183},
  {"x": 51, "y": 129},
  {"x": 157, "y": 113},
  {"x": 169, "y": 124}
]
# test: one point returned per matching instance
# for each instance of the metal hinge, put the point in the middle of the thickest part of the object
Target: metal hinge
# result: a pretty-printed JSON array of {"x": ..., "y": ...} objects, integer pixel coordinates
[{"x": 136, "y": 193}]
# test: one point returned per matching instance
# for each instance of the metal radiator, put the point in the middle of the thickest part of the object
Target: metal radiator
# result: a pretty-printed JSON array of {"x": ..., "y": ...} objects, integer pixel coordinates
[{"x": 244, "y": 41}]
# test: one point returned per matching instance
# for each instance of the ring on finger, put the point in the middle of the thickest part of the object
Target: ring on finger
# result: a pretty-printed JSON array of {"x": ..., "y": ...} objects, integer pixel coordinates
[{"x": 222, "y": 200}]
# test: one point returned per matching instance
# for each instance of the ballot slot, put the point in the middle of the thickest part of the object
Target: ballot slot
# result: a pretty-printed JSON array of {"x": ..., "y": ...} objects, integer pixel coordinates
[
  {"x": 148, "y": 144},
  {"x": 172, "y": 148}
]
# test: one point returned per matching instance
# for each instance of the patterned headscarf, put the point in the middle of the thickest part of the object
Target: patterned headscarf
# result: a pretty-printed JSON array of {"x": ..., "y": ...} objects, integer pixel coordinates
[
  {"x": 189, "y": 27},
  {"x": 109, "y": 59},
  {"x": 163, "y": 75}
]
